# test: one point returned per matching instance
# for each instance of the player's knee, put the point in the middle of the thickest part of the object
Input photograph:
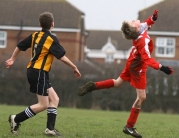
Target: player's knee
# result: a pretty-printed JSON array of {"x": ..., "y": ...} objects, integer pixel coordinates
[
  {"x": 142, "y": 98},
  {"x": 118, "y": 82},
  {"x": 56, "y": 100}
]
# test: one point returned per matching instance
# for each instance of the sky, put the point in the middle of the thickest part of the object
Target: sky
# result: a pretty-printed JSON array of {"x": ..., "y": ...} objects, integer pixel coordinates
[{"x": 109, "y": 14}]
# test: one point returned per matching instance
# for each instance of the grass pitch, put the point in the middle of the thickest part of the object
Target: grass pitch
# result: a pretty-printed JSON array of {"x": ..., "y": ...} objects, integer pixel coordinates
[{"x": 78, "y": 123}]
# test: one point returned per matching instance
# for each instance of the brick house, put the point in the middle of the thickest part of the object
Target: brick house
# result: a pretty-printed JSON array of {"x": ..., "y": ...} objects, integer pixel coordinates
[
  {"x": 165, "y": 35},
  {"x": 106, "y": 46},
  {"x": 165, "y": 32},
  {"x": 19, "y": 18}
]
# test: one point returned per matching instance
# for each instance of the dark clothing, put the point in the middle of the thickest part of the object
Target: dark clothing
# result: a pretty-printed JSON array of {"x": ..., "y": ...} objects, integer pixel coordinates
[
  {"x": 44, "y": 46},
  {"x": 39, "y": 81}
]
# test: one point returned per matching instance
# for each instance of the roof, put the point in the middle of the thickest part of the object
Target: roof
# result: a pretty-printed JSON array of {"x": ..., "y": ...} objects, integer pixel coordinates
[
  {"x": 167, "y": 15},
  {"x": 98, "y": 38},
  {"x": 12, "y": 12},
  {"x": 170, "y": 63}
]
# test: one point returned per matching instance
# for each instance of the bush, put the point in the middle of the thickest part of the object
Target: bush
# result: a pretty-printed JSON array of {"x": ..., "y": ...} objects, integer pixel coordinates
[{"x": 162, "y": 90}]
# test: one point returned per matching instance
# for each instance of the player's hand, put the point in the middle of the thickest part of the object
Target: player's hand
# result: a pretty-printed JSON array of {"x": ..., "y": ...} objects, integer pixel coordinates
[
  {"x": 155, "y": 15},
  {"x": 166, "y": 70},
  {"x": 77, "y": 73},
  {"x": 9, "y": 62}
]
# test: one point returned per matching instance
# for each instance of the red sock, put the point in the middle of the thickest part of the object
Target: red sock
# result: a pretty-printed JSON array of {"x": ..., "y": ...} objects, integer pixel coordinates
[
  {"x": 133, "y": 117},
  {"x": 105, "y": 84}
]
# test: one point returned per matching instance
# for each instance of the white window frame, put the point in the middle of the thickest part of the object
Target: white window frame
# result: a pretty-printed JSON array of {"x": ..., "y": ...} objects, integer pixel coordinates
[
  {"x": 3, "y": 39},
  {"x": 166, "y": 45},
  {"x": 109, "y": 57}
]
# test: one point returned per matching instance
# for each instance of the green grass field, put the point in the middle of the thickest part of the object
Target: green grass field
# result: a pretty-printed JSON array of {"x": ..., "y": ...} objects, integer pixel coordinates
[{"x": 76, "y": 123}]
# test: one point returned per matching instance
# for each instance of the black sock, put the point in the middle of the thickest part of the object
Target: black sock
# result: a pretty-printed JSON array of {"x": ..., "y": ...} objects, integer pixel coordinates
[
  {"x": 26, "y": 114},
  {"x": 51, "y": 117}
]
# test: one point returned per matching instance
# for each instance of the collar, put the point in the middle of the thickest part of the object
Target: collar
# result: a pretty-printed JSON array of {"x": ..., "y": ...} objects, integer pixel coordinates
[
  {"x": 141, "y": 29},
  {"x": 46, "y": 31}
]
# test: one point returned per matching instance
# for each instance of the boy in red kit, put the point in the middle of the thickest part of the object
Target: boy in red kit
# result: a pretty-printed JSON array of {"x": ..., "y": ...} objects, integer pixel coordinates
[{"x": 135, "y": 69}]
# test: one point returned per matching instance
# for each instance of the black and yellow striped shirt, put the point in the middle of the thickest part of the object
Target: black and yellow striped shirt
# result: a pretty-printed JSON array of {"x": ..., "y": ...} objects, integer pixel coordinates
[{"x": 44, "y": 46}]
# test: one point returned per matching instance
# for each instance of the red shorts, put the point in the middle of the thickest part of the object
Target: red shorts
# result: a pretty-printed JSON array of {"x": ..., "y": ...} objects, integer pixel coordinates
[{"x": 138, "y": 82}]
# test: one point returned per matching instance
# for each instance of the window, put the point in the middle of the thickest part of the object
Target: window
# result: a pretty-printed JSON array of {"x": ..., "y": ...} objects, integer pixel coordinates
[
  {"x": 3, "y": 37},
  {"x": 109, "y": 58},
  {"x": 165, "y": 47}
]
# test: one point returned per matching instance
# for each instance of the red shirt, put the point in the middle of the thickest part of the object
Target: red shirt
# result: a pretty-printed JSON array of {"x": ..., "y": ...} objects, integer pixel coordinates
[{"x": 140, "y": 56}]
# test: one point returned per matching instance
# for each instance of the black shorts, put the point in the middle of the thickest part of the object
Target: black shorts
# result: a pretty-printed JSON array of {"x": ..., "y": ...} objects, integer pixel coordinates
[{"x": 39, "y": 81}]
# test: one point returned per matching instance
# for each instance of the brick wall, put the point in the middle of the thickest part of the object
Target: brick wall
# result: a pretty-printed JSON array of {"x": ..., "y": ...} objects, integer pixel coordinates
[{"x": 70, "y": 41}]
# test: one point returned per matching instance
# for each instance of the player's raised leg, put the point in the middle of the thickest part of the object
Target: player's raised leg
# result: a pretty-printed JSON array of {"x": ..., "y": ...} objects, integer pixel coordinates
[{"x": 91, "y": 86}]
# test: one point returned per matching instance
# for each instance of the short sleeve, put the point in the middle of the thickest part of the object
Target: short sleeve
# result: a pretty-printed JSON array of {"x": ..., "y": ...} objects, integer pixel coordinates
[
  {"x": 25, "y": 44},
  {"x": 56, "y": 49}
]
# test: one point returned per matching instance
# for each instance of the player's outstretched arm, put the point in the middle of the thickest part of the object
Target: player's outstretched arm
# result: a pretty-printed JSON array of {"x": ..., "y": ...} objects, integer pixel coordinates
[
  {"x": 10, "y": 61},
  {"x": 69, "y": 63}
]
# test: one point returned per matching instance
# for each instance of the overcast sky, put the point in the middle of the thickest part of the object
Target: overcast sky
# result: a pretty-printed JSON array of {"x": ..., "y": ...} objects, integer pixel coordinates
[{"x": 109, "y": 14}]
